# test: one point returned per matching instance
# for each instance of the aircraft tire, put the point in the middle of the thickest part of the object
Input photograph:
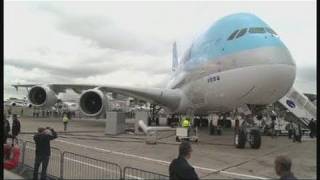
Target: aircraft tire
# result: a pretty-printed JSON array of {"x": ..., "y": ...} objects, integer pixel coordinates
[
  {"x": 211, "y": 129},
  {"x": 255, "y": 142},
  {"x": 149, "y": 121},
  {"x": 168, "y": 121},
  {"x": 177, "y": 139},
  {"x": 240, "y": 139}
]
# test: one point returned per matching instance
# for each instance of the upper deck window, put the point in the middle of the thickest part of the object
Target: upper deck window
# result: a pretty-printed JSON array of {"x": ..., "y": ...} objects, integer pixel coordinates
[
  {"x": 257, "y": 30},
  {"x": 271, "y": 31},
  {"x": 233, "y": 34},
  {"x": 241, "y": 32}
]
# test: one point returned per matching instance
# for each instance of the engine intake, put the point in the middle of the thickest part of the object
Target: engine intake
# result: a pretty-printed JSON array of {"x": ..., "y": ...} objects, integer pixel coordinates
[
  {"x": 42, "y": 96},
  {"x": 92, "y": 102}
]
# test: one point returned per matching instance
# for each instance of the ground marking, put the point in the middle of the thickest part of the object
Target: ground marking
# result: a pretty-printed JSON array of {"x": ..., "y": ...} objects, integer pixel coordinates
[{"x": 160, "y": 161}]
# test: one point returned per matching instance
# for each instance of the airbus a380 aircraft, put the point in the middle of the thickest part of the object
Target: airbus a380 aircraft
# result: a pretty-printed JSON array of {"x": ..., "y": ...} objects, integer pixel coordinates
[{"x": 239, "y": 60}]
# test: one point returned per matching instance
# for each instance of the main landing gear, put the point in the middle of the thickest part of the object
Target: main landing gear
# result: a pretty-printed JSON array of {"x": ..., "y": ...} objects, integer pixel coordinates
[
  {"x": 154, "y": 114},
  {"x": 250, "y": 135}
]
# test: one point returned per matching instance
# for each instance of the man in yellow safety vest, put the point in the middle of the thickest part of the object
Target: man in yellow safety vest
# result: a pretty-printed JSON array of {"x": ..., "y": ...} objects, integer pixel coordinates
[{"x": 186, "y": 124}]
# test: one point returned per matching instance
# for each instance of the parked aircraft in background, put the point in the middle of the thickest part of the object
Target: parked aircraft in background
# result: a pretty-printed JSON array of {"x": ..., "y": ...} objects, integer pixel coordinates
[
  {"x": 238, "y": 61},
  {"x": 15, "y": 102}
]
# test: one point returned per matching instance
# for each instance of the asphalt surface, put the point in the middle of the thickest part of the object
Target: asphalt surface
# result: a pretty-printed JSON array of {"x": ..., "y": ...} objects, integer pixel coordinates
[{"x": 214, "y": 157}]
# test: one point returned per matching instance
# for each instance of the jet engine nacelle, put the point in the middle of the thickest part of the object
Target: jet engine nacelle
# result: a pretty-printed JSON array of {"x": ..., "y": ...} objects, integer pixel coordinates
[
  {"x": 92, "y": 102},
  {"x": 42, "y": 96},
  {"x": 13, "y": 104}
]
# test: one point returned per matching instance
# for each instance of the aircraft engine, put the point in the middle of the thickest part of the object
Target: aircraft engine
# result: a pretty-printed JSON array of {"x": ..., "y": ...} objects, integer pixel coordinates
[
  {"x": 29, "y": 105},
  {"x": 92, "y": 102},
  {"x": 41, "y": 96},
  {"x": 13, "y": 104}
]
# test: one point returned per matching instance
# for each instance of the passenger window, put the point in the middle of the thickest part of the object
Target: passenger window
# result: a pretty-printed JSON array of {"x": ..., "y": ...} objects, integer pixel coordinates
[
  {"x": 233, "y": 34},
  {"x": 269, "y": 30},
  {"x": 257, "y": 30},
  {"x": 242, "y": 32}
]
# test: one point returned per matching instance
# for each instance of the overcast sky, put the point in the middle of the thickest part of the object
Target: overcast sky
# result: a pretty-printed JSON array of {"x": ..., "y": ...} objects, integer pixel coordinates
[{"x": 129, "y": 43}]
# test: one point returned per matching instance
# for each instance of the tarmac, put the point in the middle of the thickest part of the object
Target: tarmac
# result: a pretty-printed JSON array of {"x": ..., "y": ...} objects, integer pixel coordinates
[{"x": 213, "y": 157}]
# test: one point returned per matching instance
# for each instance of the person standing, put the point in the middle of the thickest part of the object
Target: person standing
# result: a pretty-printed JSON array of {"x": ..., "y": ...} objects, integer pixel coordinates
[
  {"x": 65, "y": 121},
  {"x": 180, "y": 168},
  {"x": 16, "y": 127},
  {"x": 283, "y": 168},
  {"x": 273, "y": 123},
  {"x": 43, "y": 151},
  {"x": 297, "y": 133},
  {"x": 290, "y": 129},
  {"x": 186, "y": 124},
  {"x": 6, "y": 129}
]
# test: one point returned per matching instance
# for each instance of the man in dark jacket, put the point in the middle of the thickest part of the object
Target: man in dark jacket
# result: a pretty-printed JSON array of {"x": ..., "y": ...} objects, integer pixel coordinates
[
  {"x": 179, "y": 167},
  {"x": 43, "y": 151},
  {"x": 6, "y": 129},
  {"x": 16, "y": 127},
  {"x": 283, "y": 168}
]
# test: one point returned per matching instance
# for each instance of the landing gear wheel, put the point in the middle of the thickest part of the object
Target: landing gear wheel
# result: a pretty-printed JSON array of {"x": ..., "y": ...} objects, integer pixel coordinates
[
  {"x": 211, "y": 129},
  {"x": 177, "y": 139},
  {"x": 255, "y": 137},
  {"x": 168, "y": 121},
  {"x": 240, "y": 138},
  {"x": 149, "y": 121},
  {"x": 157, "y": 121},
  {"x": 219, "y": 131}
]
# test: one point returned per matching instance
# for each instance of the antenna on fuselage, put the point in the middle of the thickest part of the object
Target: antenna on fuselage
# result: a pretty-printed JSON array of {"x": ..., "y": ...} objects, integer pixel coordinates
[{"x": 174, "y": 57}]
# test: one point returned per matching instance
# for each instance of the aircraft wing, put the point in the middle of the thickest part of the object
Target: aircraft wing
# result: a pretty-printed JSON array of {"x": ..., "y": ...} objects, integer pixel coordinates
[{"x": 166, "y": 97}]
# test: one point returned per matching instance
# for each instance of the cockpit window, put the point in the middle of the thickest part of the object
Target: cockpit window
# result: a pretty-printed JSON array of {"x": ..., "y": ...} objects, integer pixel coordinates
[
  {"x": 269, "y": 30},
  {"x": 257, "y": 30},
  {"x": 242, "y": 32},
  {"x": 233, "y": 34}
]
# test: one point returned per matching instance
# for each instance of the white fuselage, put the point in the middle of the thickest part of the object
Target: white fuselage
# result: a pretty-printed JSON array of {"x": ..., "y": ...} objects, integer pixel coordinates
[{"x": 257, "y": 76}]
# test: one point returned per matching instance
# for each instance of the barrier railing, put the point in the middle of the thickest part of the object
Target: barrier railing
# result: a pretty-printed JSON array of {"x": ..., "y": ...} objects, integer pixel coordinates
[
  {"x": 76, "y": 166},
  {"x": 134, "y": 173},
  {"x": 67, "y": 165},
  {"x": 21, "y": 145},
  {"x": 54, "y": 165}
]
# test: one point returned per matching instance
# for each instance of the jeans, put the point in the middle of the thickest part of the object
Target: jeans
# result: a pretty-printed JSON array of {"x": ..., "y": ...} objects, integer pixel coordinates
[{"x": 45, "y": 161}]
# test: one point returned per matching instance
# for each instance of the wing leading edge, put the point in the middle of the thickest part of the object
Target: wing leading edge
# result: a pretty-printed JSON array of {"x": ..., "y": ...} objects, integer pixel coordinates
[{"x": 169, "y": 98}]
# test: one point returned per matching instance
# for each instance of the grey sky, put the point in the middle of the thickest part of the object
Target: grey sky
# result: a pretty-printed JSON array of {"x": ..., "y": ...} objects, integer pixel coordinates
[{"x": 129, "y": 43}]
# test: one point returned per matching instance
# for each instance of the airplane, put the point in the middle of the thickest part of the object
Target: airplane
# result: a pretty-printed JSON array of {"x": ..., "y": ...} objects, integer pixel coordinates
[
  {"x": 14, "y": 102},
  {"x": 238, "y": 61}
]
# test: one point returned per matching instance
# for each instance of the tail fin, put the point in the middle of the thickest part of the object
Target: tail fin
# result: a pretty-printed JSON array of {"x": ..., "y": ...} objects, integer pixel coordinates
[{"x": 174, "y": 57}]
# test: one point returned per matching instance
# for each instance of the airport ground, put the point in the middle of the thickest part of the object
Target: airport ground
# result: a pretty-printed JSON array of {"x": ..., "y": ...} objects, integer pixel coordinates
[{"x": 214, "y": 157}]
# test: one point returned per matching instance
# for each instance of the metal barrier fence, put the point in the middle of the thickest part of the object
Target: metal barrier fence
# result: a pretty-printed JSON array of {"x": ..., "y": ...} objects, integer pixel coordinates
[
  {"x": 133, "y": 173},
  {"x": 53, "y": 168},
  {"x": 69, "y": 165},
  {"x": 76, "y": 166},
  {"x": 21, "y": 145}
]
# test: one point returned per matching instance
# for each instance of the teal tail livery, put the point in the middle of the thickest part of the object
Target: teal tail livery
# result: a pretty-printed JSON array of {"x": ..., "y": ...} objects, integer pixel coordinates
[{"x": 239, "y": 60}]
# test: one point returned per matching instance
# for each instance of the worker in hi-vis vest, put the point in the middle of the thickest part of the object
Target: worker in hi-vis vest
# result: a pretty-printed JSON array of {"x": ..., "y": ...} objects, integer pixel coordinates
[
  {"x": 186, "y": 124},
  {"x": 65, "y": 121}
]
